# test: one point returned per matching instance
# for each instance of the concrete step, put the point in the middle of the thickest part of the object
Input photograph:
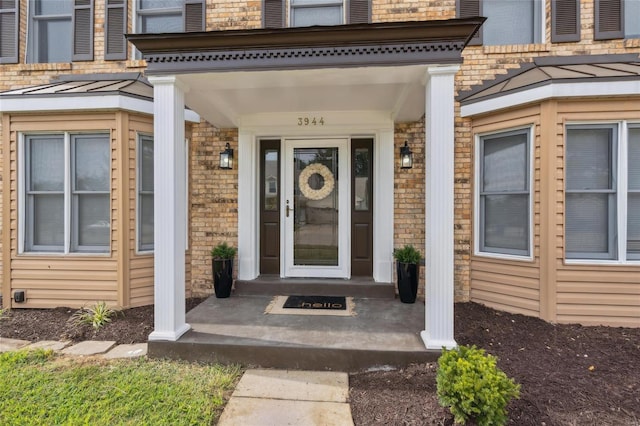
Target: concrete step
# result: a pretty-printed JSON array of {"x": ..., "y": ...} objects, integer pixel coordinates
[
  {"x": 236, "y": 330},
  {"x": 273, "y": 286}
]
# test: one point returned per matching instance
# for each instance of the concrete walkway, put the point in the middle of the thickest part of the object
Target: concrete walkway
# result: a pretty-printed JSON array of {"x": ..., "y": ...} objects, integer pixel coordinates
[{"x": 284, "y": 397}]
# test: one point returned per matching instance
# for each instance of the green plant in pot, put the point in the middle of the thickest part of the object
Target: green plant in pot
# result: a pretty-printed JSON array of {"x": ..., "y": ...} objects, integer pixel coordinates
[
  {"x": 408, "y": 269},
  {"x": 222, "y": 264}
]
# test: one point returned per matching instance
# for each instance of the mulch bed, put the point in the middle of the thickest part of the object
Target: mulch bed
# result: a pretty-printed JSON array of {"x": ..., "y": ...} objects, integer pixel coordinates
[
  {"x": 128, "y": 326},
  {"x": 570, "y": 375}
]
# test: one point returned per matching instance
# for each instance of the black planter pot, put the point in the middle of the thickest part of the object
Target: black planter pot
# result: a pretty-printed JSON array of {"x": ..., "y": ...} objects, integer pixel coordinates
[
  {"x": 408, "y": 274},
  {"x": 222, "y": 277}
]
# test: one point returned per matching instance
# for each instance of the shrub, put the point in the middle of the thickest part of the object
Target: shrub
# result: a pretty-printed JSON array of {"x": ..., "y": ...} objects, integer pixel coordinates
[
  {"x": 407, "y": 254},
  {"x": 473, "y": 387},
  {"x": 96, "y": 316},
  {"x": 223, "y": 251}
]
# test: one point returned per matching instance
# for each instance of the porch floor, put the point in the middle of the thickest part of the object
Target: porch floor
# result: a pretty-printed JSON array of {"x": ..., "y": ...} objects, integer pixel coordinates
[{"x": 384, "y": 332}]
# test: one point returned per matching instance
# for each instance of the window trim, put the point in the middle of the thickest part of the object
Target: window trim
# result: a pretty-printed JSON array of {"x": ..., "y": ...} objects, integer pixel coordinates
[
  {"x": 477, "y": 231},
  {"x": 620, "y": 157},
  {"x": 68, "y": 249}
]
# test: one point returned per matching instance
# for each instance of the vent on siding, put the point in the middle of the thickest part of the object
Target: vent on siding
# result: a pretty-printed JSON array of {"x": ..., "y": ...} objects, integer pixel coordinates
[
  {"x": 194, "y": 16},
  {"x": 359, "y": 11},
  {"x": 608, "y": 19},
  {"x": 565, "y": 25},
  {"x": 273, "y": 15}
]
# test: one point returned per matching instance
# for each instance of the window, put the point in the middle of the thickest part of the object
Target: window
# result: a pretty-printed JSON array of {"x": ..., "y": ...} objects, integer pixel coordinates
[
  {"x": 67, "y": 193},
  {"x": 508, "y": 21},
  {"x": 9, "y": 21},
  {"x": 60, "y": 31},
  {"x": 170, "y": 16},
  {"x": 145, "y": 193},
  {"x": 602, "y": 196},
  {"x": 304, "y": 13},
  {"x": 503, "y": 223}
]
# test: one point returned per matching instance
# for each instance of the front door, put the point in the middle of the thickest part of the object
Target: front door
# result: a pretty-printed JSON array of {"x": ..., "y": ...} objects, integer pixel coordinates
[{"x": 315, "y": 207}]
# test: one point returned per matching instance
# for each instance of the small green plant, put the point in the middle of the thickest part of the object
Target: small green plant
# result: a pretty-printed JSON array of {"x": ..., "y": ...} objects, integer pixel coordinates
[
  {"x": 223, "y": 251},
  {"x": 96, "y": 316},
  {"x": 473, "y": 387},
  {"x": 407, "y": 254},
  {"x": 3, "y": 313}
]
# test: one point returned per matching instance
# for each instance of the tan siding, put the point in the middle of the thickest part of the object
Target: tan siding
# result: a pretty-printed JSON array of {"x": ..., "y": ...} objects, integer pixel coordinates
[
  {"x": 593, "y": 294},
  {"x": 510, "y": 285}
]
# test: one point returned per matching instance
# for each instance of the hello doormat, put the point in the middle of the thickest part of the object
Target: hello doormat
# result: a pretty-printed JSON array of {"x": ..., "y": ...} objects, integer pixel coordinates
[{"x": 311, "y": 305}]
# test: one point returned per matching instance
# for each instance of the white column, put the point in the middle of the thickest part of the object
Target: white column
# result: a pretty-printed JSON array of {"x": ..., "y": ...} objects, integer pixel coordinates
[
  {"x": 248, "y": 241},
  {"x": 169, "y": 208},
  {"x": 383, "y": 215},
  {"x": 439, "y": 124}
]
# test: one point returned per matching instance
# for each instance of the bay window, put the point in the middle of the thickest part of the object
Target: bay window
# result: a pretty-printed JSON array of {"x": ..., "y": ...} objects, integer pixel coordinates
[
  {"x": 503, "y": 222},
  {"x": 67, "y": 193},
  {"x": 602, "y": 194}
]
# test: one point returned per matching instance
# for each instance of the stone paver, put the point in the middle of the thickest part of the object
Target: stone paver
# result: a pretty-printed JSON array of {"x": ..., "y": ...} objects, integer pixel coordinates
[
  {"x": 267, "y": 412},
  {"x": 127, "y": 351},
  {"x": 282, "y": 397},
  {"x": 7, "y": 345},
  {"x": 296, "y": 385},
  {"x": 54, "y": 345},
  {"x": 90, "y": 347}
]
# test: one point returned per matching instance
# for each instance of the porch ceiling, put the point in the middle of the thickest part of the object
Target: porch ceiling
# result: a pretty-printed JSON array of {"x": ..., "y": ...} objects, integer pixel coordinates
[
  {"x": 224, "y": 99},
  {"x": 380, "y": 67}
]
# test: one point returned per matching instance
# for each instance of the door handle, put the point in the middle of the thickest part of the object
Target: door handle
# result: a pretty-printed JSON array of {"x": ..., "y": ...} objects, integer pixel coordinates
[{"x": 288, "y": 209}]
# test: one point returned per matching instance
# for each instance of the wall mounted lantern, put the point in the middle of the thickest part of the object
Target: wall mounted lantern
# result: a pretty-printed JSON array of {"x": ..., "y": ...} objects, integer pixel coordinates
[
  {"x": 226, "y": 158},
  {"x": 406, "y": 157}
]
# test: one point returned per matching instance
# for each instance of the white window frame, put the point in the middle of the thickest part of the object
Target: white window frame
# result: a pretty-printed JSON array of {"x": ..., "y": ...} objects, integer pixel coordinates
[
  {"x": 70, "y": 246},
  {"x": 539, "y": 24},
  {"x": 32, "y": 45},
  {"x": 621, "y": 177},
  {"x": 327, "y": 3},
  {"x": 529, "y": 130},
  {"x": 140, "y": 248}
]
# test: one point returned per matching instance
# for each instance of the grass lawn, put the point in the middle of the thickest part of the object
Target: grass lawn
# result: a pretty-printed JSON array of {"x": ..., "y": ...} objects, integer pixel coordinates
[{"x": 39, "y": 387}]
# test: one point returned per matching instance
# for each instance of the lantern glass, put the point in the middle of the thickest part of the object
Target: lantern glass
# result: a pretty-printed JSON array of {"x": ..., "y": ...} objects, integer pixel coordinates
[
  {"x": 226, "y": 158},
  {"x": 406, "y": 157}
]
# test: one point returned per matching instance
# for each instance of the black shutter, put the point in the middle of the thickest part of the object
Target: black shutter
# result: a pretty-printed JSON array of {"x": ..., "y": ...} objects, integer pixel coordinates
[
  {"x": 115, "y": 26},
  {"x": 359, "y": 12},
  {"x": 470, "y": 9},
  {"x": 82, "y": 30},
  {"x": 9, "y": 14},
  {"x": 273, "y": 13},
  {"x": 194, "y": 15},
  {"x": 565, "y": 20},
  {"x": 609, "y": 22}
]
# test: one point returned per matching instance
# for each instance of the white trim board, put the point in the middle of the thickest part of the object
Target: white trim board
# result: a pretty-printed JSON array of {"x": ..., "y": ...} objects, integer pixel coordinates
[{"x": 576, "y": 89}]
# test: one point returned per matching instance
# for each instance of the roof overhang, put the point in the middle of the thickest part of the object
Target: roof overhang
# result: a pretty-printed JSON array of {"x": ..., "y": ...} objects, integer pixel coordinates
[
  {"x": 91, "y": 92},
  {"x": 555, "y": 77},
  {"x": 228, "y": 75}
]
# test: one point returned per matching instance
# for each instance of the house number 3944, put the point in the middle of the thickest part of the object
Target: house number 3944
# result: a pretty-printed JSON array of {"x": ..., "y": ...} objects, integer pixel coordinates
[{"x": 310, "y": 121}]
